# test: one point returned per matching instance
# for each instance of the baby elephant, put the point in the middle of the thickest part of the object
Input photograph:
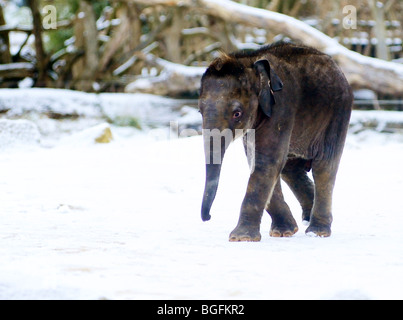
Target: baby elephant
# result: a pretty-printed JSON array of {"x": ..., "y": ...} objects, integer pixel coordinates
[{"x": 296, "y": 103}]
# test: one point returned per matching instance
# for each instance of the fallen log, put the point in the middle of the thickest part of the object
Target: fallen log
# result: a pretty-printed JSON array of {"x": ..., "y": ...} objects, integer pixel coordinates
[
  {"x": 16, "y": 70},
  {"x": 175, "y": 80},
  {"x": 362, "y": 72}
]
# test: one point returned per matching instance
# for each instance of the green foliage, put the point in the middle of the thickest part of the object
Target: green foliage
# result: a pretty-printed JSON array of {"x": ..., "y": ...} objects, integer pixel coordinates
[
  {"x": 99, "y": 6},
  {"x": 127, "y": 121},
  {"x": 55, "y": 39}
]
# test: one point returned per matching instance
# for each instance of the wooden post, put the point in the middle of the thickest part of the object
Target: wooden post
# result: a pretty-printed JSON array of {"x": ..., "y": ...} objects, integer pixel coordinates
[{"x": 41, "y": 58}]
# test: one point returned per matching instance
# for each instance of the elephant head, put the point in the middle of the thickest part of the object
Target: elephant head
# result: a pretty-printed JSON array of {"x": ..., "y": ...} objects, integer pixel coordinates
[{"x": 235, "y": 92}]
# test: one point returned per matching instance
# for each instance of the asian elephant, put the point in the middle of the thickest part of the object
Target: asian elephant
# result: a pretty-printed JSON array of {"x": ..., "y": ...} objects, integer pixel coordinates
[{"x": 298, "y": 102}]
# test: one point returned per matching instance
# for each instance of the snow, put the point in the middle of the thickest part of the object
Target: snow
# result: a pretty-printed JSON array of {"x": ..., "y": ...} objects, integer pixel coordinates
[
  {"x": 49, "y": 100},
  {"x": 171, "y": 67},
  {"x": 18, "y": 133},
  {"x": 15, "y": 15},
  {"x": 26, "y": 83},
  {"x": 377, "y": 116},
  {"x": 80, "y": 220},
  {"x": 365, "y": 94}
]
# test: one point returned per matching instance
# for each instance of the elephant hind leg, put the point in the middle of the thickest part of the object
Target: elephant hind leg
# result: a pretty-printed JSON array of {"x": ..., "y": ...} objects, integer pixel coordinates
[
  {"x": 295, "y": 175},
  {"x": 324, "y": 174},
  {"x": 283, "y": 223}
]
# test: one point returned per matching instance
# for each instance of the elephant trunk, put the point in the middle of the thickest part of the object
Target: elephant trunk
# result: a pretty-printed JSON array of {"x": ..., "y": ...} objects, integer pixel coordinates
[
  {"x": 210, "y": 189},
  {"x": 214, "y": 150}
]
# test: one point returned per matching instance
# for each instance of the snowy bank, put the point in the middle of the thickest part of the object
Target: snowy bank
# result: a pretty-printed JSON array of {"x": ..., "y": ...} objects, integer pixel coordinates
[
  {"x": 388, "y": 121},
  {"x": 54, "y": 103},
  {"x": 79, "y": 110},
  {"x": 61, "y": 112}
]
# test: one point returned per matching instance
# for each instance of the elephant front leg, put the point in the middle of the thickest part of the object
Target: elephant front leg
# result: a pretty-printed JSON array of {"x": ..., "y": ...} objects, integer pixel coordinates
[
  {"x": 283, "y": 223},
  {"x": 248, "y": 228},
  {"x": 260, "y": 188}
]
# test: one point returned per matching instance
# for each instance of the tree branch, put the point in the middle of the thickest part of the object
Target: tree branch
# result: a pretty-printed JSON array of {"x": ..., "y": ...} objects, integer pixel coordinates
[{"x": 16, "y": 70}]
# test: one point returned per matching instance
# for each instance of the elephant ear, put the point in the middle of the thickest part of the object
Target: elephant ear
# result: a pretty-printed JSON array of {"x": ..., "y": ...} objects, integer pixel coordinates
[{"x": 270, "y": 82}]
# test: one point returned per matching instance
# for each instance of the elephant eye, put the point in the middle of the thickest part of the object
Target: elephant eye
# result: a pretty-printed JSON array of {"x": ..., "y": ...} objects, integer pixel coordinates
[{"x": 237, "y": 115}]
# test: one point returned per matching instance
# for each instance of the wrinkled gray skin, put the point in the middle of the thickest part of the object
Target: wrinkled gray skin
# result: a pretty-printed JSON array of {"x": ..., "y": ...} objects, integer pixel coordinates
[{"x": 299, "y": 104}]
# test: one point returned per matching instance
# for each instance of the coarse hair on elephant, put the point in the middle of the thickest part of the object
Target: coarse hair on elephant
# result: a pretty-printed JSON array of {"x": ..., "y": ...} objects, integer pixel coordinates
[{"x": 298, "y": 103}]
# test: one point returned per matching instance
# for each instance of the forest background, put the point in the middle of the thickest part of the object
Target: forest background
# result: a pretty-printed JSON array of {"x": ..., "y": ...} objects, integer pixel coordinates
[{"x": 162, "y": 46}]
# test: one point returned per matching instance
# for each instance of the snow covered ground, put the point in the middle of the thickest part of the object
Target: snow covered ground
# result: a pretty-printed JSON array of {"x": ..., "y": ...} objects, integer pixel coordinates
[{"x": 80, "y": 220}]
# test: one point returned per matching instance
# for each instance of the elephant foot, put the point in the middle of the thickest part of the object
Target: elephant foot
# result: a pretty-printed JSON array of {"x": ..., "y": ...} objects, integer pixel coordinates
[
  {"x": 317, "y": 230},
  {"x": 245, "y": 234},
  {"x": 283, "y": 231},
  {"x": 283, "y": 226}
]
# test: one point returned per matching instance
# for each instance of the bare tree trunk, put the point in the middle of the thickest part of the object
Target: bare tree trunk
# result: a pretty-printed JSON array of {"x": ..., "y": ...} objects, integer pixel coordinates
[
  {"x": 87, "y": 39},
  {"x": 173, "y": 36},
  {"x": 41, "y": 58},
  {"x": 275, "y": 5},
  {"x": 378, "y": 12},
  {"x": 79, "y": 64},
  {"x": 219, "y": 27},
  {"x": 332, "y": 11},
  {"x": 5, "y": 56},
  {"x": 125, "y": 38},
  {"x": 296, "y": 8},
  {"x": 135, "y": 26},
  {"x": 119, "y": 36}
]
